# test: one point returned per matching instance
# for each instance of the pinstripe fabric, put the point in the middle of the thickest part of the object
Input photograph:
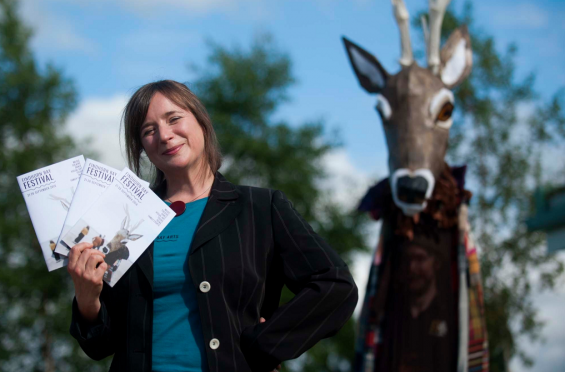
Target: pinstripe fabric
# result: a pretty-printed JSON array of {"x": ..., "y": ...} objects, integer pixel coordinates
[{"x": 249, "y": 242}]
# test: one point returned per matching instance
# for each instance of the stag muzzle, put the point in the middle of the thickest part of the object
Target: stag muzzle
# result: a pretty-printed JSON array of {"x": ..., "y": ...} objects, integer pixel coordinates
[{"x": 412, "y": 189}]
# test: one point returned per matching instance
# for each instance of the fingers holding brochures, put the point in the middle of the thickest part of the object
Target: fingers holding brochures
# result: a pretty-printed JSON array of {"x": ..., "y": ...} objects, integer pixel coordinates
[
  {"x": 87, "y": 267},
  {"x": 105, "y": 215}
]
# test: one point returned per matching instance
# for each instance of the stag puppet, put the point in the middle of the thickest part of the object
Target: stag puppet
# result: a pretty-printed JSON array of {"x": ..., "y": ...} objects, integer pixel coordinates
[{"x": 423, "y": 307}]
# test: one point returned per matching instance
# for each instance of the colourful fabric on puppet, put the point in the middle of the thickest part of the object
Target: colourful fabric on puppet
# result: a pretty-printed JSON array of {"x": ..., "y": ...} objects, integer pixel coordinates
[{"x": 413, "y": 311}]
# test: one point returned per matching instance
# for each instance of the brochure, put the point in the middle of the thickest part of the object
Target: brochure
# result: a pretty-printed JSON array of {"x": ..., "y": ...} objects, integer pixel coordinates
[
  {"x": 48, "y": 193},
  {"x": 122, "y": 223},
  {"x": 94, "y": 180}
]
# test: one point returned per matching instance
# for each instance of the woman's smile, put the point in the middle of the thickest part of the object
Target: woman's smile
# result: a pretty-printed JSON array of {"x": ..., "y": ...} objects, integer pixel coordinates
[{"x": 172, "y": 150}]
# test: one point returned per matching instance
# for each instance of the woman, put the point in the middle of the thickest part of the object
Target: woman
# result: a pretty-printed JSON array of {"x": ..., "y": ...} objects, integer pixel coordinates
[{"x": 197, "y": 298}]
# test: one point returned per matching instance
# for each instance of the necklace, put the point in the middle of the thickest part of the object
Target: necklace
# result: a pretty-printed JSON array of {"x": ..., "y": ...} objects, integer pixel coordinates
[{"x": 179, "y": 206}]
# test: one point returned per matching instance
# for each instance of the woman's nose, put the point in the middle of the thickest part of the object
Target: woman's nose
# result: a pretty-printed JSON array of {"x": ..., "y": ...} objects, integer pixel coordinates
[{"x": 165, "y": 133}]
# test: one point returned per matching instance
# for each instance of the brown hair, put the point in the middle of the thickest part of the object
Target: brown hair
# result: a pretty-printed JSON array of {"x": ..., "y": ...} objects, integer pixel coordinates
[{"x": 136, "y": 111}]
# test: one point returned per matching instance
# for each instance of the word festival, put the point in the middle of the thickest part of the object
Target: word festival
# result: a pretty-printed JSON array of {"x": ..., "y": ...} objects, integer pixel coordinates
[
  {"x": 133, "y": 186},
  {"x": 37, "y": 179}
]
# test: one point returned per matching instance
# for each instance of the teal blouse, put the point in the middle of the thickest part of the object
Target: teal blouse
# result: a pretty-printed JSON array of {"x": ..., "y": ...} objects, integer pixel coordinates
[{"x": 178, "y": 344}]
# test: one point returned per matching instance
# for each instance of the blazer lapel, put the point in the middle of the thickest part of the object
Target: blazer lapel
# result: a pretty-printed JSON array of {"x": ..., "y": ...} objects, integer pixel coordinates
[{"x": 223, "y": 206}]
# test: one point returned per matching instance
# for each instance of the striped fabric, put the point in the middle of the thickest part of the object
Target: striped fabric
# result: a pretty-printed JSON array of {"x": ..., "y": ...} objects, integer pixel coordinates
[
  {"x": 478, "y": 356},
  {"x": 248, "y": 244}
]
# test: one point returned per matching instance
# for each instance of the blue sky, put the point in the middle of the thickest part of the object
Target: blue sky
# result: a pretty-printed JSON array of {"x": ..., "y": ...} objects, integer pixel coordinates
[{"x": 109, "y": 48}]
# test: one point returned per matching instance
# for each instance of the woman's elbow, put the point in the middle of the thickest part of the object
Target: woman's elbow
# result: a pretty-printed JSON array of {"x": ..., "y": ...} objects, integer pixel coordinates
[
  {"x": 349, "y": 292},
  {"x": 345, "y": 297}
]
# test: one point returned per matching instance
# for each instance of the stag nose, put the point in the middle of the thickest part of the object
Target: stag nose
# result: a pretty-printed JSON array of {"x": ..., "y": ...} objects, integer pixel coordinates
[{"x": 412, "y": 190}]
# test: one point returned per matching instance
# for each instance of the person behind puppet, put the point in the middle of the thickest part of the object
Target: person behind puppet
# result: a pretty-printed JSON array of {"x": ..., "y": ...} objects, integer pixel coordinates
[
  {"x": 198, "y": 297},
  {"x": 423, "y": 263},
  {"x": 422, "y": 319}
]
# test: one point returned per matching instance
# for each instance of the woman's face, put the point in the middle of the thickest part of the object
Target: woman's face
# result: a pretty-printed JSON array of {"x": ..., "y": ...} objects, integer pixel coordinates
[{"x": 171, "y": 136}]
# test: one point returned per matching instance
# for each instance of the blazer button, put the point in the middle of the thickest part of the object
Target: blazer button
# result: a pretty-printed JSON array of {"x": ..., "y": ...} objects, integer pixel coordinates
[
  {"x": 214, "y": 343},
  {"x": 204, "y": 288}
]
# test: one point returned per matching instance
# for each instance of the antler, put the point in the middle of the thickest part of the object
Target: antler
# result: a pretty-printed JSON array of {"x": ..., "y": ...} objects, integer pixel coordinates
[
  {"x": 402, "y": 18},
  {"x": 437, "y": 11},
  {"x": 126, "y": 221},
  {"x": 64, "y": 202},
  {"x": 136, "y": 226}
]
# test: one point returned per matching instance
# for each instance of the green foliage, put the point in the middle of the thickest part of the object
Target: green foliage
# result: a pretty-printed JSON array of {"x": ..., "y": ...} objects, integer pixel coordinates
[
  {"x": 34, "y": 102},
  {"x": 504, "y": 132},
  {"x": 241, "y": 90}
]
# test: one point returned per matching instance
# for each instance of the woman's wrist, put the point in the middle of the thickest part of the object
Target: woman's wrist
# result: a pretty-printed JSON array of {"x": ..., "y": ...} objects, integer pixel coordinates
[{"x": 89, "y": 311}]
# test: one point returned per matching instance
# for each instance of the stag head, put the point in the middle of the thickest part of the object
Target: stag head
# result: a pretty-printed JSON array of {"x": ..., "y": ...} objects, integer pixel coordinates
[
  {"x": 416, "y": 104},
  {"x": 125, "y": 233}
]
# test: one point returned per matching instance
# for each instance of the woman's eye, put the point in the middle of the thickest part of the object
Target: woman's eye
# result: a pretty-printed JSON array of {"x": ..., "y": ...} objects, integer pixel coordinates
[
  {"x": 147, "y": 132},
  {"x": 445, "y": 112},
  {"x": 174, "y": 118}
]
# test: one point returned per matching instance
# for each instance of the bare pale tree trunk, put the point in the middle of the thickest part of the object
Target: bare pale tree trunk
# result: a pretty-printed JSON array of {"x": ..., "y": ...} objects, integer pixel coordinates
[{"x": 46, "y": 351}]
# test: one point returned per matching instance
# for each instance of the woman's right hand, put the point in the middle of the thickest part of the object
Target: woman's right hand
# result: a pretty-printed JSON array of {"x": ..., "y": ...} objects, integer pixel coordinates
[
  {"x": 262, "y": 320},
  {"x": 87, "y": 268}
]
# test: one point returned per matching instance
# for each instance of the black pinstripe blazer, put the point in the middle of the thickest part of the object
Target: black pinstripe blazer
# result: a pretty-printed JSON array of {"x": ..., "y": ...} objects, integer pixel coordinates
[{"x": 248, "y": 243}]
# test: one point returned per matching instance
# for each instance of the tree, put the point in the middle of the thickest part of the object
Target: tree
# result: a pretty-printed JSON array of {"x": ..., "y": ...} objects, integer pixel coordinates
[
  {"x": 34, "y": 102},
  {"x": 503, "y": 131},
  {"x": 241, "y": 90}
]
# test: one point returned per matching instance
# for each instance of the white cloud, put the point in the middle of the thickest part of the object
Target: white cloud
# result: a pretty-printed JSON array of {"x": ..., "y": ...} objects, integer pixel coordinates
[
  {"x": 548, "y": 356},
  {"x": 99, "y": 120},
  {"x": 347, "y": 184},
  {"x": 51, "y": 31},
  {"x": 361, "y": 266}
]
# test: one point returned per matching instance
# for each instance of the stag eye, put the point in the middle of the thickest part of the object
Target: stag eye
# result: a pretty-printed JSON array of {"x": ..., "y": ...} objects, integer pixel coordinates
[
  {"x": 441, "y": 108},
  {"x": 445, "y": 112}
]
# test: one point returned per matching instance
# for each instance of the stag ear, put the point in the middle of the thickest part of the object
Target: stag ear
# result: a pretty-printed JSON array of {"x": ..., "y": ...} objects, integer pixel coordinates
[
  {"x": 456, "y": 58},
  {"x": 371, "y": 75},
  {"x": 134, "y": 237}
]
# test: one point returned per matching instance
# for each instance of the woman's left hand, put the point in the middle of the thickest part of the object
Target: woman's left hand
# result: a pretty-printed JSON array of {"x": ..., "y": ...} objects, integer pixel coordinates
[{"x": 262, "y": 320}]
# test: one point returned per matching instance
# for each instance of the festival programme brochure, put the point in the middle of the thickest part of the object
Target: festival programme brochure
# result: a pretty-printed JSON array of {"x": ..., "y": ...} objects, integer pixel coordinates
[
  {"x": 94, "y": 180},
  {"x": 48, "y": 193},
  {"x": 122, "y": 223}
]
